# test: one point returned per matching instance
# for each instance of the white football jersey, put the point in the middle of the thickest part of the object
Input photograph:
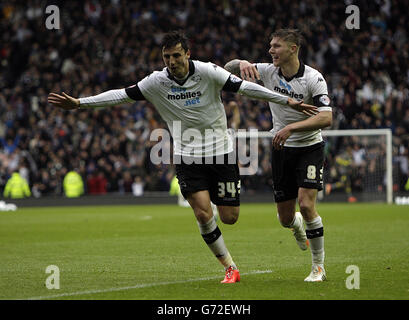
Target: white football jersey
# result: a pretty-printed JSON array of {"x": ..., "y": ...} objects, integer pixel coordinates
[
  {"x": 193, "y": 111},
  {"x": 308, "y": 85}
]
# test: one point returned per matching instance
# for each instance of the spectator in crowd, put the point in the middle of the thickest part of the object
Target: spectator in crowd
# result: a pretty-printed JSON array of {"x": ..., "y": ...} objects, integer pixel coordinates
[
  {"x": 73, "y": 184},
  {"x": 137, "y": 186},
  {"x": 126, "y": 182},
  {"x": 97, "y": 183},
  {"x": 16, "y": 187}
]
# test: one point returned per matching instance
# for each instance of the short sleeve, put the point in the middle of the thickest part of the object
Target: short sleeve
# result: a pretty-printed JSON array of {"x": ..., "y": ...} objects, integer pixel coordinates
[
  {"x": 134, "y": 93},
  {"x": 319, "y": 92},
  {"x": 218, "y": 74},
  {"x": 148, "y": 86},
  {"x": 261, "y": 68},
  {"x": 318, "y": 85}
]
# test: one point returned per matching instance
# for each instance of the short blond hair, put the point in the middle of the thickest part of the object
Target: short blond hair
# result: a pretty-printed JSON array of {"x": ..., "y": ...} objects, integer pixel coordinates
[{"x": 289, "y": 35}]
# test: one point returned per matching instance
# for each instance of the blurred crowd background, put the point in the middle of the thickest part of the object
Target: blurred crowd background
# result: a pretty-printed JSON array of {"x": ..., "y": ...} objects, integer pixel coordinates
[{"x": 107, "y": 44}]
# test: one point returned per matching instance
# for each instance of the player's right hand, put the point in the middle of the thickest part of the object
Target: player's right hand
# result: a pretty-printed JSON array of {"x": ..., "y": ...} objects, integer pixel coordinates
[
  {"x": 248, "y": 71},
  {"x": 307, "y": 109},
  {"x": 65, "y": 101}
]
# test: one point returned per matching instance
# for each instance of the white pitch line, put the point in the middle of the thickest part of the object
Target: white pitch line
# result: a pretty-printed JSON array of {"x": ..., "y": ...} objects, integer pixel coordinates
[{"x": 138, "y": 286}]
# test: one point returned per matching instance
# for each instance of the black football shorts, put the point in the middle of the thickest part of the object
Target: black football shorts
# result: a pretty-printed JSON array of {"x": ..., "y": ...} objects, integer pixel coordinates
[
  {"x": 221, "y": 180},
  {"x": 295, "y": 167}
]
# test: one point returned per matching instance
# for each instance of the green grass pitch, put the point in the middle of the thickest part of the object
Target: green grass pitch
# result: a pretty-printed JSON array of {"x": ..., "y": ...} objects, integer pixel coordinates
[{"x": 155, "y": 252}]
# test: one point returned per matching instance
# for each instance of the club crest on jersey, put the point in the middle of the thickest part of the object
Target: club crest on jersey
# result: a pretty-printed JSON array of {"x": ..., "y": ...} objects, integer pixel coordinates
[
  {"x": 166, "y": 84},
  {"x": 196, "y": 78}
]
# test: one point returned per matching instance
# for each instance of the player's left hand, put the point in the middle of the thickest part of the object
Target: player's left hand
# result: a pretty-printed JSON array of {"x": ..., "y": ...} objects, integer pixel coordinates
[
  {"x": 281, "y": 137},
  {"x": 300, "y": 106}
]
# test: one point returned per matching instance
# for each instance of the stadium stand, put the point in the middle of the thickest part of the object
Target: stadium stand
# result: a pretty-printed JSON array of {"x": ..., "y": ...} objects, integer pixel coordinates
[{"x": 109, "y": 44}]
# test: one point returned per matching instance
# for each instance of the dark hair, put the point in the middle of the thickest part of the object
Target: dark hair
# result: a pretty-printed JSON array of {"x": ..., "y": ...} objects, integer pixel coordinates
[
  {"x": 172, "y": 38},
  {"x": 290, "y": 35}
]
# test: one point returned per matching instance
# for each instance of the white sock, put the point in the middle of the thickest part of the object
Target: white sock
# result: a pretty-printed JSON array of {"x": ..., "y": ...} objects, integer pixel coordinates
[
  {"x": 214, "y": 209},
  {"x": 213, "y": 237},
  {"x": 315, "y": 235}
]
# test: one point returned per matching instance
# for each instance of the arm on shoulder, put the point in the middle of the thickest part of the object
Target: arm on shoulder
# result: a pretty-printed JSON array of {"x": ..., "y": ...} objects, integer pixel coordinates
[
  {"x": 243, "y": 69},
  {"x": 233, "y": 66}
]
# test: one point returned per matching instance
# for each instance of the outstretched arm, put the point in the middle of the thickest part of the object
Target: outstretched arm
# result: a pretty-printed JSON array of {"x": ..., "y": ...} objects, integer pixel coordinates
[
  {"x": 105, "y": 99},
  {"x": 246, "y": 70},
  {"x": 255, "y": 91}
]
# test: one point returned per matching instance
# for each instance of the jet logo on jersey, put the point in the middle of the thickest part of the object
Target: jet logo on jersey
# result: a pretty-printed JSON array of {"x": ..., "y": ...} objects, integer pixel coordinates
[{"x": 285, "y": 85}]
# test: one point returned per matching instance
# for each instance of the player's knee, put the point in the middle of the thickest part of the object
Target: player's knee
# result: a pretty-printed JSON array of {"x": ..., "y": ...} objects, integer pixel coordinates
[
  {"x": 285, "y": 212},
  {"x": 307, "y": 207},
  {"x": 306, "y": 201},
  {"x": 229, "y": 215},
  {"x": 285, "y": 220},
  {"x": 230, "y": 219},
  {"x": 202, "y": 216}
]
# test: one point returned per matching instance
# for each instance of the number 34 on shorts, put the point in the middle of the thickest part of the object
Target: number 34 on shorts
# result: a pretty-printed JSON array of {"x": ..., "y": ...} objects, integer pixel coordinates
[{"x": 228, "y": 189}]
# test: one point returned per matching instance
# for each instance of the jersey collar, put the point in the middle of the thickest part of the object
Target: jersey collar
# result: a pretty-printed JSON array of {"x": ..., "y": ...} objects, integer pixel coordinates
[
  {"x": 299, "y": 73},
  {"x": 191, "y": 71}
]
